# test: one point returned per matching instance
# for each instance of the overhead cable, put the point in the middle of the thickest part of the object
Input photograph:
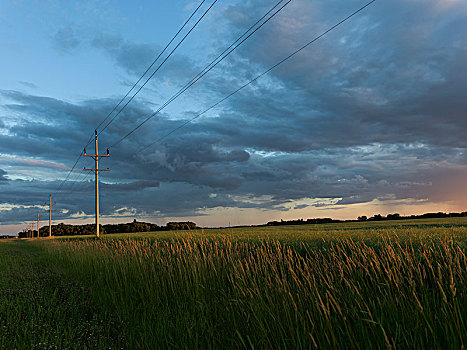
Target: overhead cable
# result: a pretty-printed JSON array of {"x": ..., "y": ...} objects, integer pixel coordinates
[
  {"x": 259, "y": 76},
  {"x": 210, "y": 66},
  {"x": 160, "y": 65},
  {"x": 137, "y": 82}
]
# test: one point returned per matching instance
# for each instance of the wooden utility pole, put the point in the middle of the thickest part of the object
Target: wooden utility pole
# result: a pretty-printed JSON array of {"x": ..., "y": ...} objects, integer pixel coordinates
[
  {"x": 96, "y": 172},
  {"x": 38, "y": 224},
  {"x": 50, "y": 214}
]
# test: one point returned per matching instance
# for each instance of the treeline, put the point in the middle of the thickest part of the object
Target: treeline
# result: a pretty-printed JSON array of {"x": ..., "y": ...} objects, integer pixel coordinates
[
  {"x": 397, "y": 216},
  {"x": 302, "y": 222},
  {"x": 376, "y": 217},
  {"x": 89, "y": 229},
  {"x": 136, "y": 226}
]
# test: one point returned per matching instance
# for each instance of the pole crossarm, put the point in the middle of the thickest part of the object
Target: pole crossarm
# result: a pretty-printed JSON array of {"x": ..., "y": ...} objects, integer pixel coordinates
[
  {"x": 96, "y": 171},
  {"x": 95, "y": 155},
  {"x": 50, "y": 204}
]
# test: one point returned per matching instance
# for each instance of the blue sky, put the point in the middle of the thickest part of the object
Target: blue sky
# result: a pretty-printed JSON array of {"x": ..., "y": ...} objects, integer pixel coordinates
[
  {"x": 369, "y": 119},
  {"x": 49, "y": 42}
]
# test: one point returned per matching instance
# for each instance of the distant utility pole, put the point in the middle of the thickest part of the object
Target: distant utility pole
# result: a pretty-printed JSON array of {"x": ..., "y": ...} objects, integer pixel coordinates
[
  {"x": 38, "y": 224},
  {"x": 96, "y": 171},
  {"x": 50, "y": 213}
]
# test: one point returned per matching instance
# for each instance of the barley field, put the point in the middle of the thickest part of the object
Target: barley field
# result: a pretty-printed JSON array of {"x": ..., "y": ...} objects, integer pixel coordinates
[{"x": 338, "y": 286}]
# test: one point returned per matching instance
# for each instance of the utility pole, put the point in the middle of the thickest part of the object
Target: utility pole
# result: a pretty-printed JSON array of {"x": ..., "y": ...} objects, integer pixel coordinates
[
  {"x": 96, "y": 172},
  {"x": 38, "y": 224},
  {"x": 50, "y": 213}
]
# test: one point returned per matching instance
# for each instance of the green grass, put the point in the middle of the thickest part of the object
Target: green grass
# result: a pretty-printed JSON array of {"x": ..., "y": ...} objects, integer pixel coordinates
[
  {"x": 367, "y": 231},
  {"x": 40, "y": 308},
  {"x": 355, "y": 285}
]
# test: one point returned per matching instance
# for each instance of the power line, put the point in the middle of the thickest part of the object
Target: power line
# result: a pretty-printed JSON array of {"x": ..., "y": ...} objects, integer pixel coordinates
[
  {"x": 63, "y": 190},
  {"x": 74, "y": 182},
  {"x": 259, "y": 76},
  {"x": 147, "y": 70},
  {"x": 137, "y": 82},
  {"x": 157, "y": 69},
  {"x": 80, "y": 185},
  {"x": 68, "y": 175},
  {"x": 210, "y": 66},
  {"x": 252, "y": 80}
]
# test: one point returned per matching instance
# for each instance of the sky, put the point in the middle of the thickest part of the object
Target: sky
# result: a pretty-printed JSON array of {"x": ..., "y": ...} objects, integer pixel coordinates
[{"x": 371, "y": 118}]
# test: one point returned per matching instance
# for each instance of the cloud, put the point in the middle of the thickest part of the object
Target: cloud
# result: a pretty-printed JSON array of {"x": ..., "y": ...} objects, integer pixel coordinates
[
  {"x": 3, "y": 175},
  {"x": 33, "y": 162},
  {"x": 28, "y": 84},
  {"x": 135, "y": 59},
  {"x": 373, "y": 112},
  {"x": 65, "y": 40},
  {"x": 132, "y": 186}
]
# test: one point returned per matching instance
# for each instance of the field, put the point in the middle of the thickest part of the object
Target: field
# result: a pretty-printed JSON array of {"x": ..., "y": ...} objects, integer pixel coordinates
[{"x": 389, "y": 284}]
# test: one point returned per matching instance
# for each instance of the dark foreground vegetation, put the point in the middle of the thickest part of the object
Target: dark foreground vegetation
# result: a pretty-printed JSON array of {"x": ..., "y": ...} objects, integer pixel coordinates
[
  {"x": 394, "y": 288},
  {"x": 43, "y": 307},
  {"x": 89, "y": 229},
  {"x": 376, "y": 217}
]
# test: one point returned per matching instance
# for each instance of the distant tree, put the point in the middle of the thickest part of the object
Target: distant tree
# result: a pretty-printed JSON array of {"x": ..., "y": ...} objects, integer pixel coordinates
[
  {"x": 394, "y": 216},
  {"x": 186, "y": 225},
  {"x": 362, "y": 218}
]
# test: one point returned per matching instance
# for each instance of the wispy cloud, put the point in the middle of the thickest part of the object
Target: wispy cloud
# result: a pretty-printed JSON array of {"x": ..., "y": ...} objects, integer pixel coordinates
[
  {"x": 65, "y": 40},
  {"x": 33, "y": 162}
]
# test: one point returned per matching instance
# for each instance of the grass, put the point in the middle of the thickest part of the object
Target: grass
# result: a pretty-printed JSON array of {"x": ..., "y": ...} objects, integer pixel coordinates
[
  {"x": 357, "y": 285},
  {"x": 40, "y": 308},
  {"x": 420, "y": 229}
]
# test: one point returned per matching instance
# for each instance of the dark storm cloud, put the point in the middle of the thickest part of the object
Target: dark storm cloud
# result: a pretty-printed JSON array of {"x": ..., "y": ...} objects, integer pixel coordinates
[
  {"x": 354, "y": 88},
  {"x": 2, "y": 175},
  {"x": 132, "y": 186},
  {"x": 49, "y": 128},
  {"x": 374, "y": 110},
  {"x": 13, "y": 216}
]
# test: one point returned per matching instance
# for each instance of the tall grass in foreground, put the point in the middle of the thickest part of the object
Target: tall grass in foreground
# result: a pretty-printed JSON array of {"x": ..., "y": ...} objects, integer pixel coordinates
[{"x": 191, "y": 293}]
